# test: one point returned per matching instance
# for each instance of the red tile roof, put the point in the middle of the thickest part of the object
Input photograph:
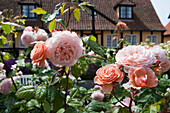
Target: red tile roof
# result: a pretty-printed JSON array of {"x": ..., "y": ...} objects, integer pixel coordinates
[
  {"x": 144, "y": 15},
  {"x": 167, "y": 27}
]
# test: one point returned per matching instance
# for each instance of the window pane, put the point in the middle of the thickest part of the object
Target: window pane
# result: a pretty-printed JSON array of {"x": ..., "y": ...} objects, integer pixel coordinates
[
  {"x": 123, "y": 12},
  {"x": 31, "y": 7},
  {"x": 25, "y": 9},
  {"x": 154, "y": 39},
  {"x": 108, "y": 42},
  {"x": 129, "y": 12},
  {"x": 114, "y": 43},
  {"x": 128, "y": 38},
  {"x": 134, "y": 39}
]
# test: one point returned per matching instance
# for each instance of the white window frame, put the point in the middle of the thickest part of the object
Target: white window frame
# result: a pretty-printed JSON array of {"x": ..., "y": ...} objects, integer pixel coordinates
[
  {"x": 20, "y": 42},
  {"x": 152, "y": 38},
  {"x": 131, "y": 38},
  {"x": 113, "y": 45}
]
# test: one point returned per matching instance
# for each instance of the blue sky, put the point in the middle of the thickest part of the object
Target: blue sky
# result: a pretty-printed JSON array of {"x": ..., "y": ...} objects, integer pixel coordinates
[{"x": 162, "y": 8}]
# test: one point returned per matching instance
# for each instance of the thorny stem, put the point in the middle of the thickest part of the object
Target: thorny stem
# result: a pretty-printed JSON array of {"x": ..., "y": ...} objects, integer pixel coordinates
[
  {"x": 118, "y": 99},
  {"x": 7, "y": 71}
]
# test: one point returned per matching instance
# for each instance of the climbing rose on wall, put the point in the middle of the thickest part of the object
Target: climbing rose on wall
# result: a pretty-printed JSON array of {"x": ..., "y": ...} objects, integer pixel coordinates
[
  {"x": 64, "y": 48},
  {"x": 107, "y": 75}
]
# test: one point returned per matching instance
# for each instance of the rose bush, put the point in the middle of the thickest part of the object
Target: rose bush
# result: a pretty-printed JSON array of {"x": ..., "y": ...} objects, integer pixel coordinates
[{"x": 128, "y": 76}]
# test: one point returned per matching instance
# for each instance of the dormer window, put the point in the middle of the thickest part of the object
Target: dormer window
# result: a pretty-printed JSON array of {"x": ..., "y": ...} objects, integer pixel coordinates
[
  {"x": 26, "y": 8},
  {"x": 126, "y": 12}
]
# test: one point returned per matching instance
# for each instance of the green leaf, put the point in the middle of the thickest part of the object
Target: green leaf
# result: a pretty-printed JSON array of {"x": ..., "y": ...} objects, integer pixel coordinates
[
  {"x": 45, "y": 17},
  {"x": 52, "y": 25},
  {"x": 76, "y": 13},
  {"x": 38, "y": 11},
  {"x": 52, "y": 92},
  {"x": 6, "y": 28},
  {"x": 6, "y": 55},
  {"x": 62, "y": 110},
  {"x": 47, "y": 107},
  {"x": 145, "y": 98},
  {"x": 25, "y": 92},
  {"x": 124, "y": 110},
  {"x": 32, "y": 103},
  {"x": 75, "y": 71},
  {"x": 149, "y": 109},
  {"x": 12, "y": 73},
  {"x": 52, "y": 17},
  {"x": 63, "y": 82},
  {"x": 97, "y": 106},
  {"x": 3, "y": 40},
  {"x": 40, "y": 93},
  {"x": 12, "y": 24},
  {"x": 29, "y": 49},
  {"x": 74, "y": 92},
  {"x": 90, "y": 4},
  {"x": 96, "y": 48},
  {"x": 19, "y": 104},
  {"x": 62, "y": 22},
  {"x": 75, "y": 103},
  {"x": 58, "y": 102},
  {"x": 113, "y": 110},
  {"x": 93, "y": 38},
  {"x": 62, "y": 9}
]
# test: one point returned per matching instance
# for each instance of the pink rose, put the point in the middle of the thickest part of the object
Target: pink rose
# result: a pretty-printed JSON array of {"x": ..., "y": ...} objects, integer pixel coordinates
[
  {"x": 38, "y": 54},
  {"x": 159, "y": 53},
  {"x": 97, "y": 95},
  {"x": 64, "y": 48},
  {"x": 107, "y": 75},
  {"x": 27, "y": 38},
  {"x": 41, "y": 35},
  {"x": 165, "y": 66},
  {"x": 28, "y": 28},
  {"x": 5, "y": 86},
  {"x": 142, "y": 77},
  {"x": 134, "y": 56},
  {"x": 1, "y": 66}
]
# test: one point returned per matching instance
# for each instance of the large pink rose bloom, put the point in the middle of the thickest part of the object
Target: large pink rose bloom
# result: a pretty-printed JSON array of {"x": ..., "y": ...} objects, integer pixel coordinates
[
  {"x": 64, "y": 48},
  {"x": 134, "y": 56},
  {"x": 27, "y": 38},
  {"x": 107, "y": 75},
  {"x": 41, "y": 35},
  {"x": 142, "y": 77}
]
